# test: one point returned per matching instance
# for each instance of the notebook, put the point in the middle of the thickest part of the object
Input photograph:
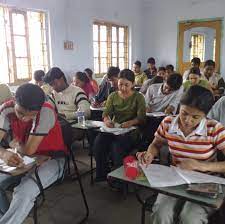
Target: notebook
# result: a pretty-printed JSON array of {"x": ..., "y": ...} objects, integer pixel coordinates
[{"x": 164, "y": 176}]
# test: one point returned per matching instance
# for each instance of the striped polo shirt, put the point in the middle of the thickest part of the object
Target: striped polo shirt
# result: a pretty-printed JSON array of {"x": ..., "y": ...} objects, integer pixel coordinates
[{"x": 202, "y": 144}]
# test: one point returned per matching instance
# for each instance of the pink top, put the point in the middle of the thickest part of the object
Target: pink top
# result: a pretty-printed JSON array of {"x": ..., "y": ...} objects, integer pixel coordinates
[
  {"x": 89, "y": 90},
  {"x": 94, "y": 85}
]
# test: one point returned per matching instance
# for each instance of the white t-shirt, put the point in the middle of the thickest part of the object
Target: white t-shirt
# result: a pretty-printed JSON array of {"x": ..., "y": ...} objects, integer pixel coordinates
[{"x": 69, "y": 100}]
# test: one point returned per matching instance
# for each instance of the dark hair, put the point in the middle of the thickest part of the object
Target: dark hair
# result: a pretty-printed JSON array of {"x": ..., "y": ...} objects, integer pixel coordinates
[
  {"x": 82, "y": 77},
  {"x": 138, "y": 63},
  {"x": 174, "y": 81},
  {"x": 151, "y": 61},
  {"x": 210, "y": 63},
  {"x": 171, "y": 67},
  {"x": 127, "y": 74},
  {"x": 196, "y": 61},
  {"x": 113, "y": 72},
  {"x": 195, "y": 71},
  {"x": 198, "y": 97},
  {"x": 54, "y": 73},
  {"x": 39, "y": 75},
  {"x": 157, "y": 79},
  {"x": 89, "y": 72},
  {"x": 30, "y": 97},
  {"x": 161, "y": 69}
]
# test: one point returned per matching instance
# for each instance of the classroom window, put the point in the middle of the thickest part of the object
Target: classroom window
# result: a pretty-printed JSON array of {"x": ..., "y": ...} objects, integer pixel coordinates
[
  {"x": 23, "y": 44},
  {"x": 110, "y": 43},
  {"x": 197, "y": 46}
]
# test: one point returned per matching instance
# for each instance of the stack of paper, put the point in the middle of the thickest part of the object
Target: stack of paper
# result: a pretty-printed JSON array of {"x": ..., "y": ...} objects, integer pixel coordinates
[
  {"x": 156, "y": 114},
  {"x": 163, "y": 176},
  {"x": 116, "y": 131}
]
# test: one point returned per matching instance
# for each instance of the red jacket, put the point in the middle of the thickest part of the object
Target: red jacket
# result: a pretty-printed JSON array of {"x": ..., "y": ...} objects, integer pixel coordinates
[{"x": 52, "y": 142}]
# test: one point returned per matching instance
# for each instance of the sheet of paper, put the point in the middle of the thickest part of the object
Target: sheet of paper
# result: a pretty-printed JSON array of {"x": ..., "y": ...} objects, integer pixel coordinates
[
  {"x": 26, "y": 160},
  {"x": 90, "y": 123},
  {"x": 116, "y": 131},
  {"x": 162, "y": 176},
  {"x": 97, "y": 108},
  {"x": 198, "y": 178},
  {"x": 156, "y": 114}
]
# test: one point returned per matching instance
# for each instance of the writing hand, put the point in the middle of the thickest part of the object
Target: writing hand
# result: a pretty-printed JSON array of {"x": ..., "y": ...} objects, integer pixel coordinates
[
  {"x": 12, "y": 159},
  {"x": 145, "y": 158}
]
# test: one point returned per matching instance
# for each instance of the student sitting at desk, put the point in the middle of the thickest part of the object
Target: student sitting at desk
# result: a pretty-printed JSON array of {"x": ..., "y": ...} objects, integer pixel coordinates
[
  {"x": 32, "y": 123},
  {"x": 194, "y": 78},
  {"x": 164, "y": 97},
  {"x": 169, "y": 70},
  {"x": 39, "y": 80},
  {"x": 109, "y": 84},
  {"x": 151, "y": 70},
  {"x": 159, "y": 78},
  {"x": 195, "y": 63},
  {"x": 140, "y": 76},
  {"x": 215, "y": 80},
  {"x": 193, "y": 142},
  {"x": 217, "y": 111},
  {"x": 94, "y": 83},
  {"x": 5, "y": 93},
  {"x": 81, "y": 80},
  {"x": 67, "y": 98},
  {"x": 126, "y": 107}
]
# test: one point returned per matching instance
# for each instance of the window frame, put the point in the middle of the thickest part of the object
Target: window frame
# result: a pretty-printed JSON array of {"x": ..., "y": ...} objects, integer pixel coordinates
[
  {"x": 13, "y": 78},
  {"x": 196, "y": 51},
  {"x": 109, "y": 42}
]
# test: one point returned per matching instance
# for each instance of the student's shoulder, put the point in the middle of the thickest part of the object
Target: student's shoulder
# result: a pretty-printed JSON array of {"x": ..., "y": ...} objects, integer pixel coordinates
[
  {"x": 138, "y": 95},
  {"x": 7, "y": 107},
  {"x": 114, "y": 94}
]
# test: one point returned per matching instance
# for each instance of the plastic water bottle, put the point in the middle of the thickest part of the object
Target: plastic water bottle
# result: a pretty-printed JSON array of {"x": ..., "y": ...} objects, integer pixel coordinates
[{"x": 80, "y": 117}]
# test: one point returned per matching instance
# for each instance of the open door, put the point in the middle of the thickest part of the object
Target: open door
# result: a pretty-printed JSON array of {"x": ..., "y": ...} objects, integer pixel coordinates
[{"x": 200, "y": 39}]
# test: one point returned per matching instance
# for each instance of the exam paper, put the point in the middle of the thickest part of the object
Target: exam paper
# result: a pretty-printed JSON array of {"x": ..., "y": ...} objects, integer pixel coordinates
[
  {"x": 116, "y": 131},
  {"x": 26, "y": 160},
  {"x": 156, "y": 114},
  {"x": 164, "y": 176},
  {"x": 198, "y": 177}
]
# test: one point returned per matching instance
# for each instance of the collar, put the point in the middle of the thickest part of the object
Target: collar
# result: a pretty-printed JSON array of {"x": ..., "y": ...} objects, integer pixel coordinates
[{"x": 200, "y": 130}]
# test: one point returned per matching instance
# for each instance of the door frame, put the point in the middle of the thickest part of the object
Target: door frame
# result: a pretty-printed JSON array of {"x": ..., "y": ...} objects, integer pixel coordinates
[{"x": 182, "y": 26}]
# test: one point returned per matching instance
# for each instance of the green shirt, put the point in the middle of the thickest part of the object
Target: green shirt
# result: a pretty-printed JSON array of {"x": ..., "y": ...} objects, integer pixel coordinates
[
  {"x": 122, "y": 110},
  {"x": 204, "y": 83}
]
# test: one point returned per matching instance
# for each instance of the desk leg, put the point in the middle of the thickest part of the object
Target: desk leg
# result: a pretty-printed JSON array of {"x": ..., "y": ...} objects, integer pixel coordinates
[{"x": 92, "y": 171}]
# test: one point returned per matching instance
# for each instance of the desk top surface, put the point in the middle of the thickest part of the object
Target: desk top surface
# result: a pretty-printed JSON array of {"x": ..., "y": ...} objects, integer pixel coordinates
[{"x": 177, "y": 191}]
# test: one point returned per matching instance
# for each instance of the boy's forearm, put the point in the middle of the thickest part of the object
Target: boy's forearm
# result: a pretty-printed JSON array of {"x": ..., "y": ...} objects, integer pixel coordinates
[
  {"x": 153, "y": 149},
  {"x": 216, "y": 167}
]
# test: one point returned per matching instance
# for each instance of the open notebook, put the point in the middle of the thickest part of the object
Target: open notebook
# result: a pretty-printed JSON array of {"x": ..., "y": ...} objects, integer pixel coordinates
[
  {"x": 5, "y": 168},
  {"x": 164, "y": 176}
]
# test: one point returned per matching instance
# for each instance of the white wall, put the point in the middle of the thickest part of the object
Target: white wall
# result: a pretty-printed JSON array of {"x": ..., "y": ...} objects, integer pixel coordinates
[
  {"x": 160, "y": 22},
  {"x": 72, "y": 20}
]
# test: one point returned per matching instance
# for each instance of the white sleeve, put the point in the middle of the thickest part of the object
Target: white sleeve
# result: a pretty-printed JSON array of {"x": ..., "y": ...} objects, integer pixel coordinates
[{"x": 148, "y": 96}]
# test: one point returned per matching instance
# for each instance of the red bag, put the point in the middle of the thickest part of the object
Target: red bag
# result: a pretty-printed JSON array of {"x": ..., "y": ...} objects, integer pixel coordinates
[{"x": 131, "y": 170}]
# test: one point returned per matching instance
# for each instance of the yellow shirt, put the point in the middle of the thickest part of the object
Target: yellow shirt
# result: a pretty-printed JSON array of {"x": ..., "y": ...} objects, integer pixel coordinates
[
  {"x": 5, "y": 93},
  {"x": 140, "y": 78}
]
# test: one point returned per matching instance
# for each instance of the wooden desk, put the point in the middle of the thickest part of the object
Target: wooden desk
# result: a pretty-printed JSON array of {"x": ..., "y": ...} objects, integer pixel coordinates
[{"x": 177, "y": 191}]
